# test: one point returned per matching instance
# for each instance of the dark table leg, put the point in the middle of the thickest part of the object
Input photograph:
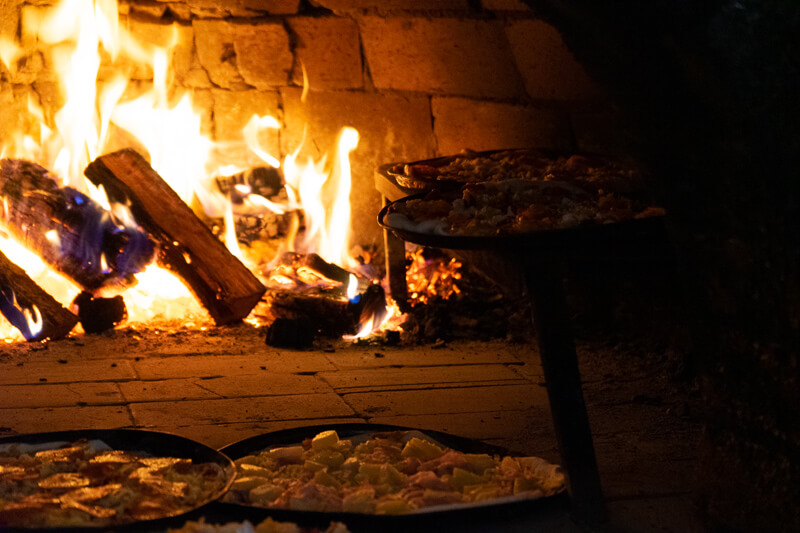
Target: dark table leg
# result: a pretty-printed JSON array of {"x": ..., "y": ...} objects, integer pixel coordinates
[
  {"x": 560, "y": 364},
  {"x": 396, "y": 266}
]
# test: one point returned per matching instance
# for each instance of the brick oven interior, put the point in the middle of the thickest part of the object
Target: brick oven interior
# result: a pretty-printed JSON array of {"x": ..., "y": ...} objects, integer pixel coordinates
[{"x": 687, "y": 354}]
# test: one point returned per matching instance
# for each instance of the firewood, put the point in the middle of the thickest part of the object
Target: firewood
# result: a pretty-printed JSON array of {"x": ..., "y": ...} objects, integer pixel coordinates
[
  {"x": 18, "y": 291},
  {"x": 68, "y": 230},
  {"x": 330, "y": 314},
  {"x": 316, "y": 263},
  {"x": 224, "y": 286}
]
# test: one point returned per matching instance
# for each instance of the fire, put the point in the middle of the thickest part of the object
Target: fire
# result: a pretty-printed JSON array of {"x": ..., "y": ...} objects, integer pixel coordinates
[
  {"x": 429, "y": 277},
  {"x": 79, "y": 38}
]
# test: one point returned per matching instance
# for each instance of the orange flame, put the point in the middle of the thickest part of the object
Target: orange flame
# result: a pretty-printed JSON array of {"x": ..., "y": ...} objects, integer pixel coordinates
[{"x": 79, "y": 37}]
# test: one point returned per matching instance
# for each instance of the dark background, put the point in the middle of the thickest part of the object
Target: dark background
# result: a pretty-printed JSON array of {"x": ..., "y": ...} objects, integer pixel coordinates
[{"x": 710, "y": 95}]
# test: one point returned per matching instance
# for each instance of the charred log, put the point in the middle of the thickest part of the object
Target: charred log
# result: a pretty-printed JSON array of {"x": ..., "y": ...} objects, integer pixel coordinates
[
  {"x": 330, "y": 315},
  {"x": 19, "y": 292},
  {"x": 313, "y": 262},
  {"x": 187, "y": 247},
  {"x": 259, "y": 202},
  {"x": 68, "y": 230},
  {"x": 293, "y": 333},
  {"x": 99, "y": 314}
]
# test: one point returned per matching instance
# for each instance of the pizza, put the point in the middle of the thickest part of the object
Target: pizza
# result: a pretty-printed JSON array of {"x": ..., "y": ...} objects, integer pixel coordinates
[
  {"x": 384, "y": 473},
  {"x": 520, "y": 164},
  {"x": 85, "y": 483},
  {"x": 515, "y": 207},
  {"x": 511, "y": 192},
  {"x": 267, "y": 526}
]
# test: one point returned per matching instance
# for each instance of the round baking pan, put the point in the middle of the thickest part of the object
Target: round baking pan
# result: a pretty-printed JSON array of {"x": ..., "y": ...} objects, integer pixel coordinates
[
  {"x": 155, "y": 443},
  {"x": 605, "y": 238},
  {"x": 486, "y": 516},
  {"x": 533, "y": 158}
]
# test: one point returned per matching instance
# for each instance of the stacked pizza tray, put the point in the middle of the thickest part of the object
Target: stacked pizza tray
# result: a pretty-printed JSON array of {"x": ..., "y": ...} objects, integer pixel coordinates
[
  {"x": 507, "y": 199},
  {"x": 338, "y": 478}
]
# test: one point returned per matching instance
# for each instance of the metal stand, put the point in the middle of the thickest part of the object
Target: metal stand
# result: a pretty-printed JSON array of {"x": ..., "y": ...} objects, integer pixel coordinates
[{"x": 559, "y": 360}]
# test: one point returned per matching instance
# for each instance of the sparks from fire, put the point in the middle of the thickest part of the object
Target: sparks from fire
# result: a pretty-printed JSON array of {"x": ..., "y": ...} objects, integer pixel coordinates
[{"x": 77, "y": 39}]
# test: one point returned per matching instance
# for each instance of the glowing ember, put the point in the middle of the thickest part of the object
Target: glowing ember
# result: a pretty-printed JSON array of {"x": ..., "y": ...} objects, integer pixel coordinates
[{"x": 429, "y": 277}]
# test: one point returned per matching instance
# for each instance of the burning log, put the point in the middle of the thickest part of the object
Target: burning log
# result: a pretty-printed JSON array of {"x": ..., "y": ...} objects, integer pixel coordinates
[
  {"x": 314, "y": 263},
  {"x": 68, "y": 230},
  {"x": 18, "y": 292},
  {"x": 330, "y": 314},
  {"x": 225, "y": 287}
]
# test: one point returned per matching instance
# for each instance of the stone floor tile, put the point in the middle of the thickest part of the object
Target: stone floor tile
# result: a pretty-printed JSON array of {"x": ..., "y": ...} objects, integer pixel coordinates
[
  {"x": 481, "y": 425},
  {"x": 457, "y": 353},
  {"x": 632, "y": 417},
  {"x": 655, "y": 515},
  {"x": 53, "y": 371},
  {"x": 62, "y": 418},
  {"x": 230, "y": 365},
  {"x": 219, "y": 435},
  {"x": 253, "y": 409},
  {"x": 443, "y": 401},
  {"x": 60, "y": 394},
  {"x": 264, "y": 384},
  {"x": 383, "y": 378},
  {"x": 165, "y": 389}
]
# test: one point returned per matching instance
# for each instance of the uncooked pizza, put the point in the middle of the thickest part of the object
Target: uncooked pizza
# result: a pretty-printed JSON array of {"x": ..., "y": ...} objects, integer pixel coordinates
[
  {"x": 267, "y": 526},
  {"x": 87, "y": 484},
  {"x": 385, "y": 473}
]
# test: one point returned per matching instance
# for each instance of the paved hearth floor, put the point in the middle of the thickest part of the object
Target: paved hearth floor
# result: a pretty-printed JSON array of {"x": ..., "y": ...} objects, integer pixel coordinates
[{"x": 222, "y": 385}]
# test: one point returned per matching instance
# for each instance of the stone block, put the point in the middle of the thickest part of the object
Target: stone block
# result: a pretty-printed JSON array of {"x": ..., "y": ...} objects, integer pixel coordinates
[
  {"x": 65, "y": 418},
  {"x": 328, "y": 48},
  {"x": 232, "y": 111},
  {"x": 391, "y": 128},
  {"x": 163, "y": 390},
  {"x": 14, "y": 111},
  {"x": 550, "y": 70},
  {"x": 236, "y": 55},
  {"x": 461, "y": 123},
  {"x": 262, "y": 54},
  {"x": 415, "y": 377},
  {"x": 272, "y": 7},
  {"x": 73, "y": 372},
  {"x": 422, "y": 356},
  {"x": 344, "y": 6},
  {"x": 276, "y": 384},
  {"x": 256, "y": 409},
  {"x": 440, "y": 401},
  {"x": 216, "y": 53},
  {"x": 179, "y": 36},
  {"x": 211, "y": 366},
  {"x": 461, "y": 57},
  {"x": 60, "y": 395},
  {"x": 482, "y": 425},
  {"x": 9, "y": 16}
]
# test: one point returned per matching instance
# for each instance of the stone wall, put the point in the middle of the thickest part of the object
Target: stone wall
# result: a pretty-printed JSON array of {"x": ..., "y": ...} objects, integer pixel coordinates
[{"x": 415, "y": 82}]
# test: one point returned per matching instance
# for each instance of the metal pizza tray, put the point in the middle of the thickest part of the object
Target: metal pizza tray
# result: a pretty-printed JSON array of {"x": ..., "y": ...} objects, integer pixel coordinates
[
  {"x": 396, "y": 171},
  {"x": 580, "y": 240},
  {"x": 478, "y": 517},
  {"x": 136, "y": 440}
]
